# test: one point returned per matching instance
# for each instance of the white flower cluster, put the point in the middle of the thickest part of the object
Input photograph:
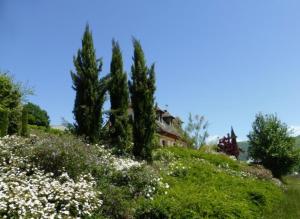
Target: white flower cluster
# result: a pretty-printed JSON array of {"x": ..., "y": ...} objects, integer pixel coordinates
[
  {"x": 155, "y": 183},
  {"x": 121, "y": 164},
  {"x": 224, "y": 167},
  {"x": 27, "y": 192},
  {"x": 177, "y": 169},
  {"x": 117, "y": 163}
]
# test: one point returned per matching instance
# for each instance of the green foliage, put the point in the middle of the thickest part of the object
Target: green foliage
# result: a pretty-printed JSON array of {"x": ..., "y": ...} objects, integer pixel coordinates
[
  {"x": 24, "y": 128},
  {"x": 64, "y": 153},
  {"x": 118, "y": 203},
  {"x": 142, "y": 88},
  {"x": 271, "y": 144},
  {"x": 197, "y": 130},
  {"x": 119, "y": 98},
  {"x": 36, "y": 115},
  {"x": 90, "y": 92},
  {"x": 37, "y": 130},
  {"x": 3, "y": 122},
  {"x": 10, "y": 99},
  {"x": 10, "y": 94}
]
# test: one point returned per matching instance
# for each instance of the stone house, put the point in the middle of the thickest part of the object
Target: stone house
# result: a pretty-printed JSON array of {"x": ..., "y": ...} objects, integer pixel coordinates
[{"x": 168, "y": 128}]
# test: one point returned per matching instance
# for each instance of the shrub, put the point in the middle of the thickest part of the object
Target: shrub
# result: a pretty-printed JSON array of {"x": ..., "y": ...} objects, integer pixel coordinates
[
  {"x": 271, "y": 145},
  {"x": 117, "y": 202},
  {"x": 29, "y": 192},
  {"x": 36, "y": 115},
  {"x": 3, "y": 122},
  {"x": 259, "y": 171},
  {"x": 59, "y": 154}
]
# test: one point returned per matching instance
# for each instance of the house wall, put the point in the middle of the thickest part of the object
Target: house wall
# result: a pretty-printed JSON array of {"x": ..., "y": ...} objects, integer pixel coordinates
[{"x": 166, "y": 141}]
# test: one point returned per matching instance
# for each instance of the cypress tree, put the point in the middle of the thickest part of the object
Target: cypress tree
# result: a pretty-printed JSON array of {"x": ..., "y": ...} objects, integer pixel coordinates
[
  {"x": 142, "y": 88},
  {"x": 24, "y": 128},
  {"x": 15, "y": 121},
  {"x": 119, "y": 98},
  {"x": 89, "y": 92},
  {"x": 3, "y": 122}
]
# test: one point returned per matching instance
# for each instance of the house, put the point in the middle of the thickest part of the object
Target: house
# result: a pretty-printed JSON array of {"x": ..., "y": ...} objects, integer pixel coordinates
[{"x": 168, "y": 128}]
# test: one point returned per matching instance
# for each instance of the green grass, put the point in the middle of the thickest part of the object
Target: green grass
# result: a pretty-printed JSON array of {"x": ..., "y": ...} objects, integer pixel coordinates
[
  {"x": 207, "y": 186},
  {"x": 289, "y": 207}
]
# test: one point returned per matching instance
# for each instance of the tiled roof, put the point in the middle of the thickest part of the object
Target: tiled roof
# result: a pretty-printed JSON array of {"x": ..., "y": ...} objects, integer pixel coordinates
[{"x": 167, "y": 129}]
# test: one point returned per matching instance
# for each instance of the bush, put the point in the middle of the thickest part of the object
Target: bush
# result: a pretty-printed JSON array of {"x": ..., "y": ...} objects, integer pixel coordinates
[
  {"x": 3, "y": 122},
  {"x": 58, "y": 154},
  {"x": 271, "y": 145},
  {"x": 29, "y": 192},
  {"x": 117, "y": 202},
  {"x": 259, "y": 171},
  {"x": 36, "y": 115}
]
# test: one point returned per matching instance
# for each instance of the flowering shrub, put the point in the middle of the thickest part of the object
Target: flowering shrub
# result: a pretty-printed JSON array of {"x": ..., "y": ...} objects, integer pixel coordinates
[
  {"x": 259, "y": 171},
  {"x": 58, "y": 176},
  {"x": 27, "y": 191}
]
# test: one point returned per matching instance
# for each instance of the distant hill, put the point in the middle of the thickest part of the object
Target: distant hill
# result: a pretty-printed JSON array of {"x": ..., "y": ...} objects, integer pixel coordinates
[{"x": 244, "y": 145}]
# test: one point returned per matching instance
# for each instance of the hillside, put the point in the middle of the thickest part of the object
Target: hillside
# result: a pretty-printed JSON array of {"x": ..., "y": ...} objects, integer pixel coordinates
[
  {"x": 244, "y": 145},
  {"x": 67, "y": 178}
]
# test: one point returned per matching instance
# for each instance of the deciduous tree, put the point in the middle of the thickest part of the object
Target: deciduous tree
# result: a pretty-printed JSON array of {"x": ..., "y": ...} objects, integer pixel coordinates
[{"x": 272, "y": 145}]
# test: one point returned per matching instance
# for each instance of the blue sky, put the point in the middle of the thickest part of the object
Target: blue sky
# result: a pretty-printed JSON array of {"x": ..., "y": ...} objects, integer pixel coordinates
[{"x": 226, "y": 60}]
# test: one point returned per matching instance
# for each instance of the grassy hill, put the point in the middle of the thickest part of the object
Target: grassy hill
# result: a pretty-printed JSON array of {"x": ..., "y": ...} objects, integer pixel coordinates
[
  {"x": 66, "y": 177},
  {"x": 244, "y": 145},
  {"x": 289, "y": 206}
]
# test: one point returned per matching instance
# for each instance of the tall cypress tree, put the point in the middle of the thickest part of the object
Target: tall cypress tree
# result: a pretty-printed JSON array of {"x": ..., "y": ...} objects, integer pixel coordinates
[
  {"x": 119, "y": 98},
  {"x": 24, "y": 127},
  {"x": 89, "y": 92},
  {"x": 142, "y": 88}
]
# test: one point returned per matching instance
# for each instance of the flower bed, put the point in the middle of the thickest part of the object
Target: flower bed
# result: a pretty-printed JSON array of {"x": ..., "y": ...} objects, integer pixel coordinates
[{"x": 27, "y": 191}]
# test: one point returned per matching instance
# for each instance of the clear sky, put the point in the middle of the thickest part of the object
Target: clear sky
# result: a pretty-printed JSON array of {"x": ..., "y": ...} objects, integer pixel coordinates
[{"x": 226, "y": 60}]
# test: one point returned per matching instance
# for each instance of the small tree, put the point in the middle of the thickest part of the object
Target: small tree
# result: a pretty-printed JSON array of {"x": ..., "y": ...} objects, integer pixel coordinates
[
  {"x": 119, "y": 98},
  {"x": 272, "y": 145},
  {"x": 228, "y": 145},
  {"x": 197, "y": 130},
  {"x": 10, "y": 99},
  {"x": 142, "y": 88},
  {"x": 36, "y": 115},
  {"x": 24, "y": 129},
  {"x": 3, "y": 122},
  {"x": 90, "y": 94}
]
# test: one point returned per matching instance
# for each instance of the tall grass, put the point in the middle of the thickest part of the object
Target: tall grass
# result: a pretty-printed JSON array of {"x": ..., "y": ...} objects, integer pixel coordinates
[{"x": 289, "y": 207}]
